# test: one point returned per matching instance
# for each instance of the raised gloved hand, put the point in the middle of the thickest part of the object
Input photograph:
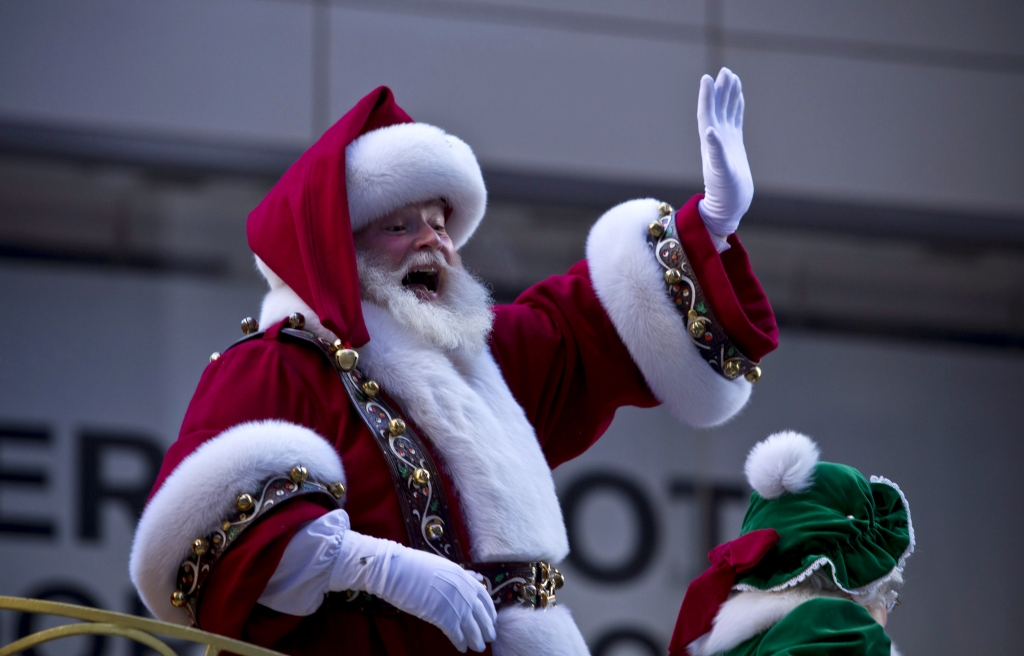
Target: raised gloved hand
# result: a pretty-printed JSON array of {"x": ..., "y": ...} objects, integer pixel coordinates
[
  {"x": 728, "y": 186},
  {"x": 422, "y": 584}
]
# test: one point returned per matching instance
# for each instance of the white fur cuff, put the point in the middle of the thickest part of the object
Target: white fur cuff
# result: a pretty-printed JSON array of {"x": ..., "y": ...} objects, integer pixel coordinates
[
  {"x": 629, "y": 283},
  {"x": 201, "y": 492}
]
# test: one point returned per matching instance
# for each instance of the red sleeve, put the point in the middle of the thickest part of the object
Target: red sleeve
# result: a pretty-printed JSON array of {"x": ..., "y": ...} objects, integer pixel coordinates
[
  {"x": 263, "y": 378},
  {"x": 728, "y": 281},
  {"x": 256, "y": 380},
  {"x": 565, "y": 364},
  {"x": 236, "y": 582}
]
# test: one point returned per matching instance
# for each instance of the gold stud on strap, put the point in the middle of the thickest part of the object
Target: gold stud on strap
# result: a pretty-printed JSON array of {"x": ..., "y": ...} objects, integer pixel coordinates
[
  {"x": 250, "y": 325},
  {"x": 421, "y": 476},
  {"x": 297, "y": 321},
  {"x": 245, "y": 502},
  {"x": 347, "y": 359},
  {"x": 337, "y": 489},
  {"x": 298, "y": 474},
  {"x": 178, "y": 599},
  {"x": 434, "y": 530},
  {"x": 371, "y": 388}
]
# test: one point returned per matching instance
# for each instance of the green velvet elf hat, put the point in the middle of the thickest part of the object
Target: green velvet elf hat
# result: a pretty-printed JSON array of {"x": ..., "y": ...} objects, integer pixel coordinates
[{"x": 827, "y": 515}]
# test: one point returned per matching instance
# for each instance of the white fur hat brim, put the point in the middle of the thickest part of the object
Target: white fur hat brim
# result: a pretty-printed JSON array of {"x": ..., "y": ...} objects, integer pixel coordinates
[{"x": 408, "y": 163}]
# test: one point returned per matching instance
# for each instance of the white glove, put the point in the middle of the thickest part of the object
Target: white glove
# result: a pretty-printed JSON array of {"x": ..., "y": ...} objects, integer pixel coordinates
[
  {"x": 728, "y": 186},
  {"x": 430, "y": 587}
]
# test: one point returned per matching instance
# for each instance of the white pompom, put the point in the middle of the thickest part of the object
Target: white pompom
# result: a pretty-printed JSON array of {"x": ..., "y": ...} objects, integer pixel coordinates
[{"x": 784, "y": 462}]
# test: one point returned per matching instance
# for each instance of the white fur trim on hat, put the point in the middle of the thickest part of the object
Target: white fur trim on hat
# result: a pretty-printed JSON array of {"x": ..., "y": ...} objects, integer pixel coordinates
[
  {"x": 201, "y": 492},
  {"x": 409, "y": 163},
  {"x": 784, "y": 462},
  {"x": 628, "y": 281}
]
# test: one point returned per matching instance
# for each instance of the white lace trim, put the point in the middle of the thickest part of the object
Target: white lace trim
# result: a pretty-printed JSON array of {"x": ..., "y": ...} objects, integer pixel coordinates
[{"x": 824, "y": 560}]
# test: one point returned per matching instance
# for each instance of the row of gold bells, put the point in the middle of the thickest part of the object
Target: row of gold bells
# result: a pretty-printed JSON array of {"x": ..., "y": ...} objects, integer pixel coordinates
[
  {"x": 244, "y": 503},
  {"x": 695, "y": 324}
]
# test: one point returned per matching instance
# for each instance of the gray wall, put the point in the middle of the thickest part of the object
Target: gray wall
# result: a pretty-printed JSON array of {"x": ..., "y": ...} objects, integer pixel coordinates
[{"x": 913, "y": 103}]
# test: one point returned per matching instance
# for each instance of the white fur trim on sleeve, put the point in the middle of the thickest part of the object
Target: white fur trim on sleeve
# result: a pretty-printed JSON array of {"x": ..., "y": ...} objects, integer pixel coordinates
[
  {"x": 782, "y": 462},
  {"x": 412, "y": 162},
  {"x": 526, "y": 632},
  {"x": 629, "y": 283},
  {"x": 201, "y": 492}
]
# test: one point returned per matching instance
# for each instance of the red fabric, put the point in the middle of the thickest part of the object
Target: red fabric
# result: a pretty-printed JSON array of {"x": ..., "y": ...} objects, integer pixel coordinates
[
  {"x": 728, "y": 281},
  {"x": 302, "y": 228},
  {"x": 230, "y": 593},
  {"x": 565, "y": 364},
  {"x": 708, "y": 592}
]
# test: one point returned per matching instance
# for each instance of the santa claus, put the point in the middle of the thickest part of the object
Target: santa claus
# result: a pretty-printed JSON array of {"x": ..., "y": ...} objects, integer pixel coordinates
[{"x": 369, "y": 470}]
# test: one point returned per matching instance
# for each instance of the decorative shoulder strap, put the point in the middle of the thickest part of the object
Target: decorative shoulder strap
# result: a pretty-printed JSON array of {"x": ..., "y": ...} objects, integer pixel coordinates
[{"x": 425, "y": 508}]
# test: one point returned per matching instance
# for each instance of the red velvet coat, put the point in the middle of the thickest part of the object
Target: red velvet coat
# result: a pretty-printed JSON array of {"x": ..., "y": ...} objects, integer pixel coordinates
[{"x": 569, "y": 353}]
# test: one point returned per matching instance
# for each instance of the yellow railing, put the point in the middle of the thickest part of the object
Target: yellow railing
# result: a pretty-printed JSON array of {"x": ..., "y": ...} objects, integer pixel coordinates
[{"x": 108, "y": 623}]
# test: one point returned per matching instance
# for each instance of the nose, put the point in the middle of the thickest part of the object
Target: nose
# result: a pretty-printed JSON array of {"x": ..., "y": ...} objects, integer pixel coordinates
[{"x": 426, "y": 238}]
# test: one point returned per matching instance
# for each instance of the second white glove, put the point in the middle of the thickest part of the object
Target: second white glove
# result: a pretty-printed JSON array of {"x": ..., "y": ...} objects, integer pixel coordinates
[
  {"x": 728, "y": 185},
  {"x": 422, "y": 584}
]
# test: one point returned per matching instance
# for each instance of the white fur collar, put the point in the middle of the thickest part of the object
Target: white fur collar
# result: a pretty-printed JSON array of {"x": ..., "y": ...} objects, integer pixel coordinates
[
  {"x": 748, "y": 613},
  {"x": 462, "y": 403}
]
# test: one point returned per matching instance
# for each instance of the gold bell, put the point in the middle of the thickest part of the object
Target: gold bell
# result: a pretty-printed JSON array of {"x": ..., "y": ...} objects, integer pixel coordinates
[
  {"x": 347, "y": 359},
  {"x": 753, "y": 375},
  {"x": 200, "y": 546},
  {"x": 337, "y": 489},
  {"x": 673, "y": 276},
  {"x": 245, "y": 502},
  {"x": 178, "y": 599},
  {"x": 396, "y": 427},
  {"x": 298, "y": 474},
  {"x": 297, "y": 321},
  {"x": 250, "y": 325},
  {"x": 421, "y": 476},
  {"x": 559, "y": 579},
  {"x": 655, "y": 229},
  {"x": 434, "y": 530},
  {"x": 665, "y": 209},
  {"x": 695, "y": 326},
  {"x": 371, "y": 388},
  {"x": 732, "y": 368},
  {"x": 214, "y": 356}
]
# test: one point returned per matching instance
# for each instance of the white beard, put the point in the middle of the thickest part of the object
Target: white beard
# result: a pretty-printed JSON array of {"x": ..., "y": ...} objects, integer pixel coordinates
[{"x": 460, "y": 318}]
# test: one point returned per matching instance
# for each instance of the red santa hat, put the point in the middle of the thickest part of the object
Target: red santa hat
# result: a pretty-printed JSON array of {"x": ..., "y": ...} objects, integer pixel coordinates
[{"x": 374, "y": 160}]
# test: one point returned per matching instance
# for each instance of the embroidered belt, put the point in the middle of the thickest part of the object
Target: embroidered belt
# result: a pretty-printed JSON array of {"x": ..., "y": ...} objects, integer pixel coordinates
[
  {"x": 706, "y": 331},
  {"x": 531, "y": 585}
]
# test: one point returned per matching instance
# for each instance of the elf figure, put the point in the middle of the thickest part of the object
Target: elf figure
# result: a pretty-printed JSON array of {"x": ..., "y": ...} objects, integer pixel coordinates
[{"x": 817, "y": 566}]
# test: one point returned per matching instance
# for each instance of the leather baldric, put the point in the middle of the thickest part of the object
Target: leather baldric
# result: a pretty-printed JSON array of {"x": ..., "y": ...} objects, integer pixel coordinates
[
  {"x": 421, "y": 494},
  {"x": 425, "y": 509}
]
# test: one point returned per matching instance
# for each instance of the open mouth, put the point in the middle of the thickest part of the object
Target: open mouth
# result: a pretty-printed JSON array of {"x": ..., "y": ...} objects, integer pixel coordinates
[{"x": 423, "y": 281}]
